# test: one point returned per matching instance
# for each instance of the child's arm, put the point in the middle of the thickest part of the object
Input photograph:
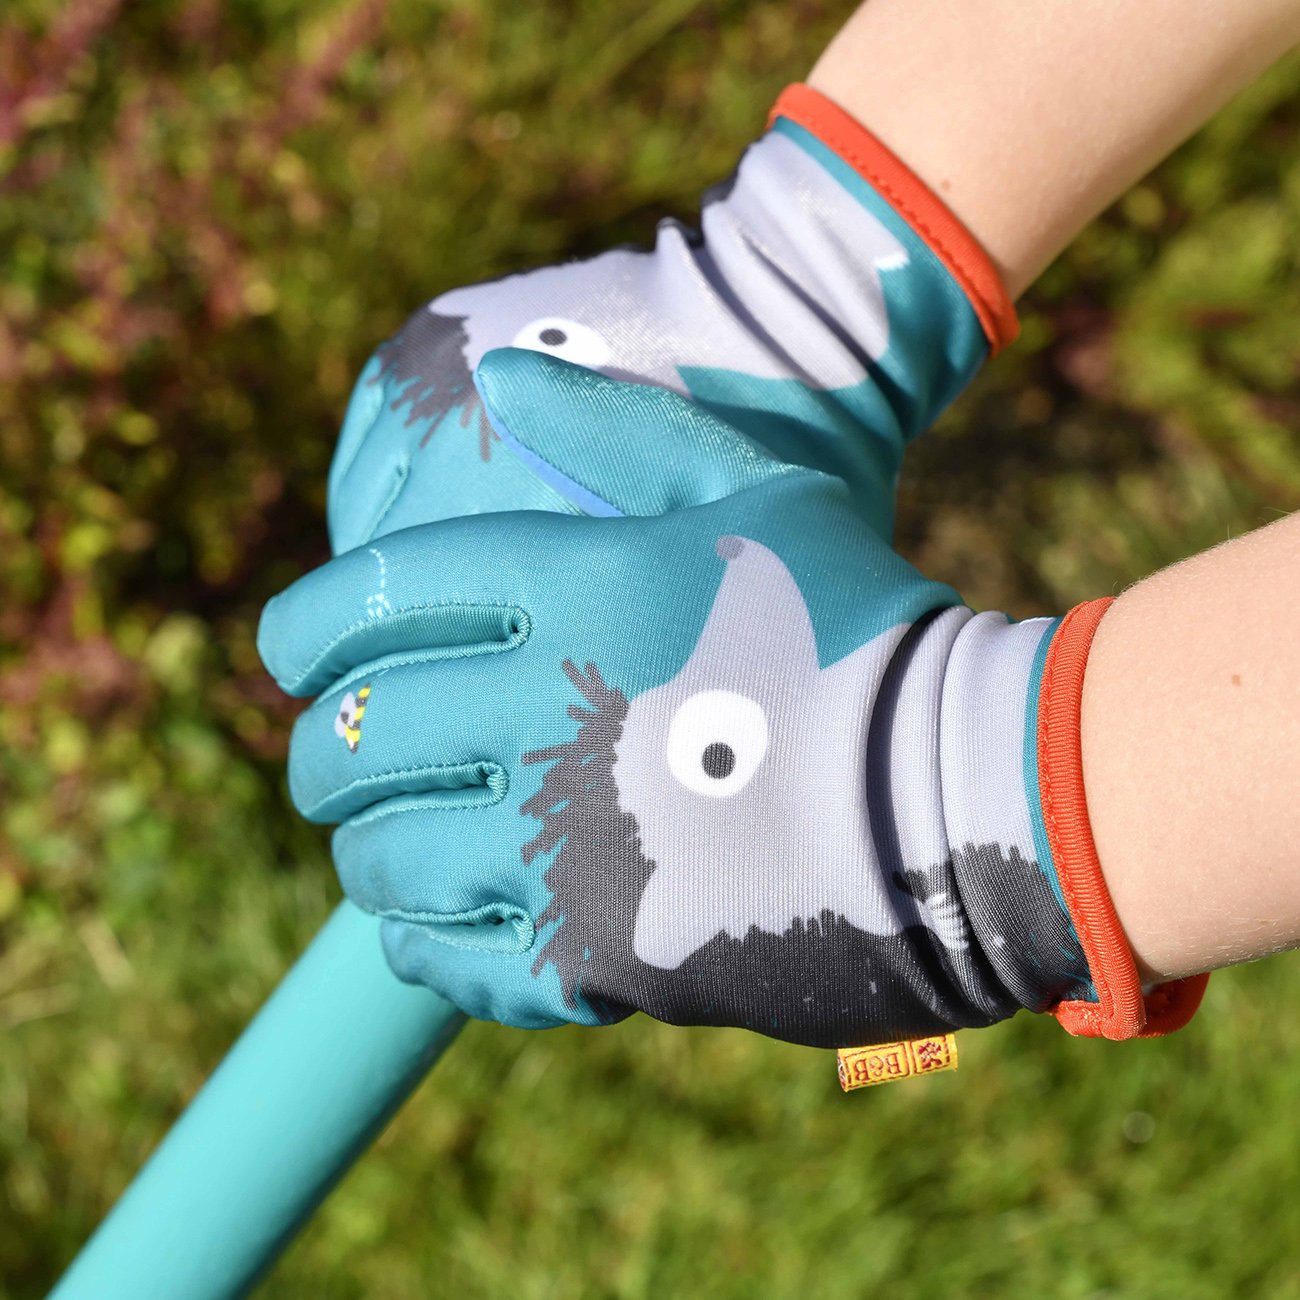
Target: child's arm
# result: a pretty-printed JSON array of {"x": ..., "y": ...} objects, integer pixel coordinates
[
  {"x": 1191, "y": 755},
  {"x": 1028, "y": 119}
]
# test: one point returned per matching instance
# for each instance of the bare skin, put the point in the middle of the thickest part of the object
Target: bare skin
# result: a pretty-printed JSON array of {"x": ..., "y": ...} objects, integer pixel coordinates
[
  {"x": 1029, "y": 119},
  {"x": 1191, "y": 755}
]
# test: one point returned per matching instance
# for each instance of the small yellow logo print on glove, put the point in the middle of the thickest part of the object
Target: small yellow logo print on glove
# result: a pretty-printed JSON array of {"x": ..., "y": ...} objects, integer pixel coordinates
[{"x": 351, "y": 711}]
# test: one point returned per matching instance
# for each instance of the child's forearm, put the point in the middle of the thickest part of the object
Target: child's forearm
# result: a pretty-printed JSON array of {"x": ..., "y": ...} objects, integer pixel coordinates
[
  {"x": 1031, "y": 118},
  {"x": 1191, "y": 755}
]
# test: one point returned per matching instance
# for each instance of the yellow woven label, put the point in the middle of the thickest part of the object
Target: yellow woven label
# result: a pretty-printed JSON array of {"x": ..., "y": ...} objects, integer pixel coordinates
[{"x": 861, "y": 1067}]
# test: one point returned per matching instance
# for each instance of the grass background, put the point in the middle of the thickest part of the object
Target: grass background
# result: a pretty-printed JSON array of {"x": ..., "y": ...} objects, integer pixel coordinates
[{"x": 209, "y": 214}]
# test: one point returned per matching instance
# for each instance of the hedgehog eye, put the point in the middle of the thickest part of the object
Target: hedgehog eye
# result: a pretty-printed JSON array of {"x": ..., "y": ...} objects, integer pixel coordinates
[
  {"x": 716, "y": 741},
  {"x": 569, "y": 340}
]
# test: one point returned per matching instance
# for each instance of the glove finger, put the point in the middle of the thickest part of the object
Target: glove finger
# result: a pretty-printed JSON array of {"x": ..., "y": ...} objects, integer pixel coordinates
[
  {"x": 416, "y": 446},
  {"x": 442, "y": 590},
  {"x": 357, "y": 501},
  {"x": 510, "y": 989},
  {"x": 613, "y": 448},
  {"x": 473, "y": 587},
  {"x": 412, "y": 859},
  {"x": 415, "y": 728}
]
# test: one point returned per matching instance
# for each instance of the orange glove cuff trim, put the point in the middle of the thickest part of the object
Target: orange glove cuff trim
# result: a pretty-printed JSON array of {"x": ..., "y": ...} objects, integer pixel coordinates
[
  {"x": 913, "y": 200},
  {"x": 1122, "y": 1010}
]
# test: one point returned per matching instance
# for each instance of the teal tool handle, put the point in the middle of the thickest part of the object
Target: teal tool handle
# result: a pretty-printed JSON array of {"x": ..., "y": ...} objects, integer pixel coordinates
[{"x": 333, "y": 1053}]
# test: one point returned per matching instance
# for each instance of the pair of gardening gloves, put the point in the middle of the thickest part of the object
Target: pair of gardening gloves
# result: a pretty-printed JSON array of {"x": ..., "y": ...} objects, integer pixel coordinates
[{"x": 623, "y": 701}]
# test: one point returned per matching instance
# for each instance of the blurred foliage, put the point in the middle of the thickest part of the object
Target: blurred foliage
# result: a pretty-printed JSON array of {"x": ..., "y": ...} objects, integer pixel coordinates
[{"x": 209, "y": 214}]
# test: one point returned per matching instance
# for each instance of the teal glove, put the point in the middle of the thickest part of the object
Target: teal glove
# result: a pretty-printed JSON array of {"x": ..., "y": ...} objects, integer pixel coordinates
[
  {"x": 730, "y": 762},
  {"x": 829, "y": 307}
]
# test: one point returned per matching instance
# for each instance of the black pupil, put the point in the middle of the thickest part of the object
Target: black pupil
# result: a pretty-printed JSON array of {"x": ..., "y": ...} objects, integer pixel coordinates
[
  {"x": 553, "y": 337},
  {"x": 719, "y": 760}
]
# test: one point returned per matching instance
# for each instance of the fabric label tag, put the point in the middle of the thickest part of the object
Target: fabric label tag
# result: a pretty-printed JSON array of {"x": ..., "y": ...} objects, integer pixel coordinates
[{"x": 860, "y": 1067}]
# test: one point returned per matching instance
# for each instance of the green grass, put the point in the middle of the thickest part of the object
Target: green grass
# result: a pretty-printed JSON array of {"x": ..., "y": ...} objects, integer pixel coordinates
[{"x": 210, "y": 215}]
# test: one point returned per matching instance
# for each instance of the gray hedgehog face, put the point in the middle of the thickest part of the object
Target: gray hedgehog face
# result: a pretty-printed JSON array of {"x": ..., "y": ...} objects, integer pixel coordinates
[
  {"x": 744, "y": 775},
  {"x": 710, "y": 844},
  {"x": 594, "y": 313},
  {"x": 694, "y": 302},
  {"x": 535, "y": 309},
  {"x": 711, "y": 851}
]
